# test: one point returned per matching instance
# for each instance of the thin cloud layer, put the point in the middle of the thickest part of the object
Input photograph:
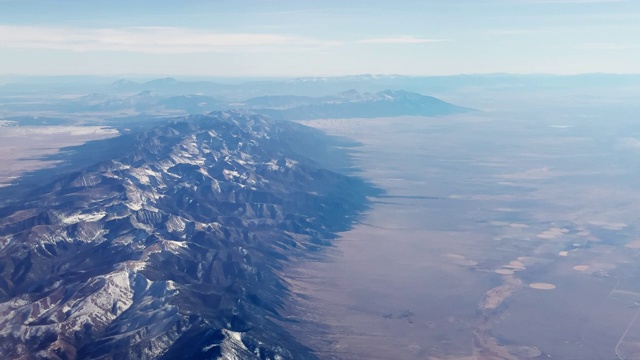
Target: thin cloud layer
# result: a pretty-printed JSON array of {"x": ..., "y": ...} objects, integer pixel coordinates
[
  {"x": 320, "y": 38},
  {"x": 155, "y": 40},
  {"x": 609, "y": 46},
  {"x": 400, "y": 40}
]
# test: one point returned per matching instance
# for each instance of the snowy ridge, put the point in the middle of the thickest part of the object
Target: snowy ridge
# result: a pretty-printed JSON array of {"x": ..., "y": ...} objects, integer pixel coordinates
[{"x": 169, "y": 249}]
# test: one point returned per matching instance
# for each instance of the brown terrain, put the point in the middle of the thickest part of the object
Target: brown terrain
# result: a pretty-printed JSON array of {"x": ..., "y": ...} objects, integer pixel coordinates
[
  {"x": 23, "y": 148},
  {"x": 503, "y": 235}
]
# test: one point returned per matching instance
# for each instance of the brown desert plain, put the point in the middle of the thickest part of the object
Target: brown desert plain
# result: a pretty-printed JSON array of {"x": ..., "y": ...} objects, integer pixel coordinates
[
  {"x": 509, "y": 233},
  {"x": 25, "y": 148}
]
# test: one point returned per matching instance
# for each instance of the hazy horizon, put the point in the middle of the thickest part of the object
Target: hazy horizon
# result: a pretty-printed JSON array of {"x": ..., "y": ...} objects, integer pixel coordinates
[
  {"x": 138, "y": 77},
  {"x": 297, "y": 39}
]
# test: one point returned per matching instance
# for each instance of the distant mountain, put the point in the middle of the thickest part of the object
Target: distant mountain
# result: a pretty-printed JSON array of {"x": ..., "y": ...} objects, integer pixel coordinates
[
  {"x": 144, "y": 101},
  {"x": 351, "y": 104},
  {"x": 168, "y": 81},
  {"x": 125, "y": 85},
  {"x": 239, "y": 89},
  {"x": 193, "y": 104},
  {"x": 281, "y": 101},
  {"x": 169, "y": 246},
  {"x": 346, "y": 104},
  {"x": 170, "y": 86},
  {"x": 109, "y": 108}
]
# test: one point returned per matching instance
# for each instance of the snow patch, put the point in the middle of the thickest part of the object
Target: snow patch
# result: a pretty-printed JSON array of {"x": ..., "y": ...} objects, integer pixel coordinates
[
  {"x": 231, "y": 344},
  {"x": 290, "y": 163},
  {"x": 135, "y": 266},
  {"x": 92, "y": 217},
  {"x": 171, "y": 285},
  {"x": 230, "y": 174}
]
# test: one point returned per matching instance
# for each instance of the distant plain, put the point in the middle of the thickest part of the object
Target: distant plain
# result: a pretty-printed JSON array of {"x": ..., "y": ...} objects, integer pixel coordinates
[
  {"x": 25, "y": 148},
  {"x": 509, "y": 233}
]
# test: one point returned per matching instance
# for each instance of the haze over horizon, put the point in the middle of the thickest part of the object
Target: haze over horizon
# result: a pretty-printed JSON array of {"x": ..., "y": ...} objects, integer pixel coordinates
[{"x": 288, "y": 38}]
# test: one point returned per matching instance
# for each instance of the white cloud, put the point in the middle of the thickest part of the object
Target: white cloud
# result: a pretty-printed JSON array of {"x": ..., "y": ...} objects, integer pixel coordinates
[
  {"x": 609, "y": 46},
  {"x": 400, "y": 40},
  {"x": 155, "y": 40},
  {"x": 507, "y": 32}
]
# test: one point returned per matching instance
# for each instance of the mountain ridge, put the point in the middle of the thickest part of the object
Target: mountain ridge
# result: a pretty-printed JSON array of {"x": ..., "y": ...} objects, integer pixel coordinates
[
  {"x": 352, "y": 104},
  {"x": 176, "y": 243}
]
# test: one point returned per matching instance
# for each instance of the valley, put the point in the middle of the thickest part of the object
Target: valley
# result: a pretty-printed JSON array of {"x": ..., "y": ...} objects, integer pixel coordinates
[{"x": 495, "y": 239}]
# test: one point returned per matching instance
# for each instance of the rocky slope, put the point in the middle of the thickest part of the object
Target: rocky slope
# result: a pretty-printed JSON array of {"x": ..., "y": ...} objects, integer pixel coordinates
[{"x": 170, "y": 247}]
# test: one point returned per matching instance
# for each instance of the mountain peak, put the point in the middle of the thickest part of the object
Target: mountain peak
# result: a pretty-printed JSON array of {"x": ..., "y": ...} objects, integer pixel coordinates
[
  {"x": 352, "y": 93},
  {"x": 123, "y": 83},
  {"x": 163, "y": 81}
]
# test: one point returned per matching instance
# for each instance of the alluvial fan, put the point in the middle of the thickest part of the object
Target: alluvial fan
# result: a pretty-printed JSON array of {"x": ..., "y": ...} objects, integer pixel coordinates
[{"x": 171, "y": 249}]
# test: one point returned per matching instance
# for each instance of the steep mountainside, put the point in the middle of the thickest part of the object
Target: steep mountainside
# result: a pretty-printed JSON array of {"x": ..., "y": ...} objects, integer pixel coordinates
[{"x": 172, "y": 248}]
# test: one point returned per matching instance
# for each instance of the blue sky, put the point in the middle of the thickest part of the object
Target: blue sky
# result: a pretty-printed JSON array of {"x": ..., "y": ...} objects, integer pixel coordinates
[{"x": 318, "y": 38}]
